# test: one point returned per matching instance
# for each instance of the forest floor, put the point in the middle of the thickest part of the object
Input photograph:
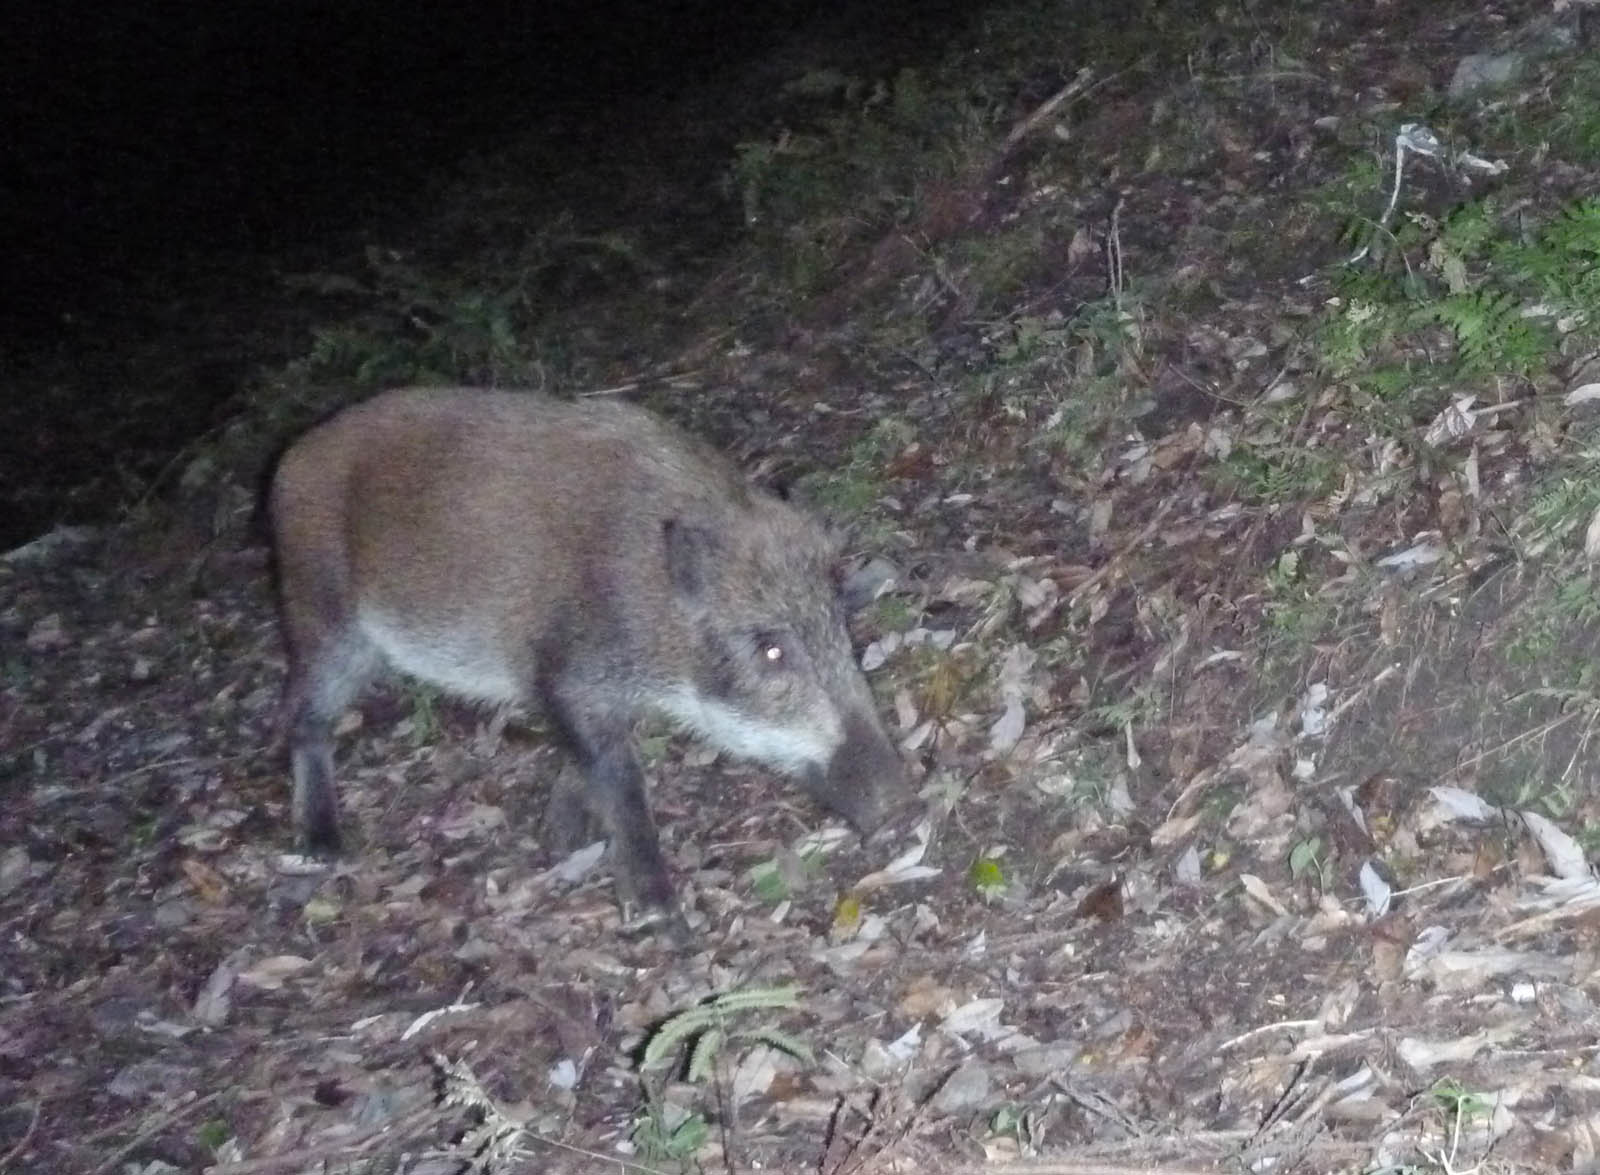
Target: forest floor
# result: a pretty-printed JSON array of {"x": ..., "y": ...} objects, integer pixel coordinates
[{"x": 1238, "y": 620}]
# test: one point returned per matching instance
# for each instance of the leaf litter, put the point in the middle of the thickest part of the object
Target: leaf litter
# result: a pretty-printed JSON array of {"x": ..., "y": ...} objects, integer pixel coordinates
[{"x": 1248, "y": 903}]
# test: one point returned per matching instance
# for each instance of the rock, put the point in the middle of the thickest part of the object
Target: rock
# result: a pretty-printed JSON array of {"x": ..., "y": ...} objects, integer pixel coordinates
[
  {"x": 1482, "y": 71},
  {"x": 964, "y": 1090},
  {"x": 1048, "y": 1059}
]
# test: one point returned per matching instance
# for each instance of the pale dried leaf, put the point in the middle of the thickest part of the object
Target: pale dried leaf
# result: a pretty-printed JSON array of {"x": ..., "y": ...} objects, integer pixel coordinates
[
  {"x": 472, "y": 821},
  {"x": 1462, "y": 970},
  {"x": 576, "y": 866},
  {"x": 1576, "y": 893},
  {"x": 1423, "y": 1055},
  {"x": 563, "y": 1074},
  {"x": 1099, "y": 520},
  {"x": 215, "y": 1001},
  {"x": 1456, "y": 803},
  {"x": 270, "y": 973},
  {"x": 905, "y": 709},
  {"x": 1560, "y": 850},
  {"x": 1375, "y": 889},
  {"x": 1187, "y": 870},
  {"x": 1314, "y": 710},
  {"x": 755, "y": 1073},
  {"x": 1338, "y": 1004},
  {"x": 1008, "y": 728},
  {"x": 1170, "y": 832},
  {"x": 1591, "y": 536},
  {"x": 1418, "y": 555},
  {"x": 980, "y": 1015},
  {"x": 904, "y": 868},
  {"x": 1261, "y": 892},
  {"x": 1455, "y": 421}
]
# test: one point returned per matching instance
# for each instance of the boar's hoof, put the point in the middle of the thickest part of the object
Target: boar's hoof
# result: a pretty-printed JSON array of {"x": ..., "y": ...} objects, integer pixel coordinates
[
  {"x": 668, "y": 920},
  {"x": 321, "y": 841},
  {"x": 895, "y": 821}
]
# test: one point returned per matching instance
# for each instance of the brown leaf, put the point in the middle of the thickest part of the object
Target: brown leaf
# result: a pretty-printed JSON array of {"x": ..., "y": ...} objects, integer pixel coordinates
[
  {"x": 205, "y": 880},
  {"x": 1104, "y": 901},
  {"x": 914, "y": 462},
  {"x": 927, "y": 997},
  {"x": 1391, "y": 939}
]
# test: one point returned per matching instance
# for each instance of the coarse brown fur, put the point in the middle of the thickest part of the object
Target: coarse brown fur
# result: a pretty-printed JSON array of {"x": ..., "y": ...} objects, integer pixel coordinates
[{"x": 586, "y": 556}]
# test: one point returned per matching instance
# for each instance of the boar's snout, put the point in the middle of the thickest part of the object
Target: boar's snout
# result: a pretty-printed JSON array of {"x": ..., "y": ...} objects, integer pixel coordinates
[{"x": 865, "y": 780}]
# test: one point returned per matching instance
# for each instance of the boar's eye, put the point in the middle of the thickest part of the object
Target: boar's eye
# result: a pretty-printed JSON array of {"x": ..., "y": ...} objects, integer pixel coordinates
[{"x": 771, "y": 651}]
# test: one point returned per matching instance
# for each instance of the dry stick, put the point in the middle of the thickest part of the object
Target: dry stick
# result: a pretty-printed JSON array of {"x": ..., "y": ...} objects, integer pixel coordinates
[
  {"x": 1121, "y": 554},
  {"x": 678, "y": 382},
  {"x": 1535, "y": 732},
  {"x": 170, "y": 1118},
  {"x": 5, "y": 1159},
  {"x": 1260, "y": 1029},
  {"x": 1026, "y": 127},
  {"x": 348, "y": 1148},
  {"x": 1325, "y": 1147},
  {"x": 1538, "y": 923},
  {"x": 183, "y": 760},
  {"x": 856, "y": 1160},
  {"x": 351, "y": 1149}
]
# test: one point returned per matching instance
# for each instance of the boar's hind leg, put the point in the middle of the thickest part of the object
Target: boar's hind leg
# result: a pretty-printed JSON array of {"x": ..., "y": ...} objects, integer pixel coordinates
[
  {"x": 616, "y": 797},
  {"x": 569, "y": 825},
  {"x": 324, "y": 677}
]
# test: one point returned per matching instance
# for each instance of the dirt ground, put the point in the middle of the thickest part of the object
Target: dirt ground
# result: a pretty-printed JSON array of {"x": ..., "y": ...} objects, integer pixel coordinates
[{"x": 1252, "y": 830}]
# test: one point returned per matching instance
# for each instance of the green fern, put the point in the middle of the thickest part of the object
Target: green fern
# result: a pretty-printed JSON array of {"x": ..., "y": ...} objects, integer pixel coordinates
[
  {"x": 1565, "y": 263},
  {"x": 705, "y": 1028},
  {"x": 1470, "y": 230},
  {"x": 1491, "y": 332}
]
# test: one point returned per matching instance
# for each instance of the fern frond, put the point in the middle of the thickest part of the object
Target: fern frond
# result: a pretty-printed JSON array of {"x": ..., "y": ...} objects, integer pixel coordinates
[
  {"x": 704, "y": 1054},
  {"x": 675, "y": 1030},
  {"x": 707, "y": 1023},
  {"x": 750, "y": 999},
  {"x": 782, "y": 1041}
]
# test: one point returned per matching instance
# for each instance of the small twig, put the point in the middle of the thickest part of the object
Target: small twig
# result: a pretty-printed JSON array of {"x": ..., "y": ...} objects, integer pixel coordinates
[
  {"x": 684, "y": 379},
  {"x": 145, "y": 769},
  {"x": 1122, "y": 553},
  {"x": 1539, "y": 923},
  {"x": 5, "y": 1159},
  {"x": 1094, "y": 1102},
  {"x": 1114, "y": 254},
  {"x": 1433, "y": 884},
  {"x": 1284, "y": 1025},
  {"x": 348, "y": 1148},
  {"x": 1048, "y": 107},
  {"x": 170, "y": 1118},
  {"x": 1514, "y": 740},
  {"x": 1422, "y": 141},
  {"x": 1091, "y": 1167}
]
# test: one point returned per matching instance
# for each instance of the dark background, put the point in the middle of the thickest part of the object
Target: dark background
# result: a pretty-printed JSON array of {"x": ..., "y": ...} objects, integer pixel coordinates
[
  {"x": 166, "y": 164},
  {"x": 141, "y": 132}
]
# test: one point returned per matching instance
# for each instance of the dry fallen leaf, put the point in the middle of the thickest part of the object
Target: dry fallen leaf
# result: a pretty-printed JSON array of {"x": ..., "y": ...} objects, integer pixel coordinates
[
  {"x": 207, "y": 882},
  {"x": 1104, "y": 901},
  {"x": 1563, "y": 853},
  {"x": 271, "y": 973},
  {"x": 1262, "y": 893}
]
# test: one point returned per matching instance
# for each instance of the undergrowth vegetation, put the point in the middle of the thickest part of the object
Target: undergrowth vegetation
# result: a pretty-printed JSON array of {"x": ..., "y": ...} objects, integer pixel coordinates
[{"x": 1033, "y": 286}]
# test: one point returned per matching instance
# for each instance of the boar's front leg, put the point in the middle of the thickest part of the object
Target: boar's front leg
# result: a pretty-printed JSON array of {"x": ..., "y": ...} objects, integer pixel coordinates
[{"x": 614, "y": 793}]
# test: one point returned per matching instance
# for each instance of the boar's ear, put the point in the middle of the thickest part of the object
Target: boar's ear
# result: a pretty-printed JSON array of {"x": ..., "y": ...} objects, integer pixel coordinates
[{"x": 692, "y": 553}]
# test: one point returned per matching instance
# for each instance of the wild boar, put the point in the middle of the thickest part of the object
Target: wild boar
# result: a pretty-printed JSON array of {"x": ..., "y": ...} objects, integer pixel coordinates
[{"x": 587, "y": 557}]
